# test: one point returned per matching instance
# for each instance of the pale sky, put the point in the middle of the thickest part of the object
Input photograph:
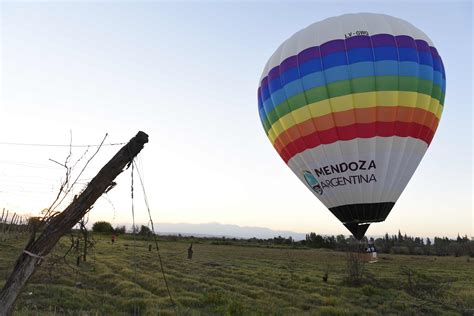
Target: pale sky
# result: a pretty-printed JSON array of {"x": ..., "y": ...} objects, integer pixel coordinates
[{"x": 187, "y": 74}]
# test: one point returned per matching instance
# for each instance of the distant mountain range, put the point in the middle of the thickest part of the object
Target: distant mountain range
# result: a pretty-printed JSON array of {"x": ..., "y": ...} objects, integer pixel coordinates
[{"x": 223, "y": 230}]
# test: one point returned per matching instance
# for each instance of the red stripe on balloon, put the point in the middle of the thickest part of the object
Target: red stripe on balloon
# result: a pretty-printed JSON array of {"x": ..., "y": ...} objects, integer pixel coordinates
[{"x": 358, "y": 130}]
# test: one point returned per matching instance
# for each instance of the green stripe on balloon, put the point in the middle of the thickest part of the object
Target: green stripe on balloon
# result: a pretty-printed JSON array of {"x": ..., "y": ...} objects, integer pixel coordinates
[{"x": 357, "y": 85}]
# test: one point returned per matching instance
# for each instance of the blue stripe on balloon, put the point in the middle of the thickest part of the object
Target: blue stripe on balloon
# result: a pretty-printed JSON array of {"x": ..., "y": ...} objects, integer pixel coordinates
[
  {"x": 265, "y": 93},
  {"x": 438, "y": 66},
  {"x": 426, "y": 72},
  {"x": 289, "y": 76},
  {"x": 277, "y": 97},
  {"x": 438, "y": 79},
  {"x": 363, "y": 69},
  {"x": 412, "y": 69},
  {"x": 316, "y": 79},
  {"x": 268, "y": 105},
  {"x": 310, "y": 66},
  {"x": 360, "y": 54},
  {"x": 352, "y": 71},
  {"x": 354, "y": 55},
  {"x": 263, "y": 116},
  {"x": 336, "y": 74},
  {"x": 334, "y": 60},
  {"x": 291, "y": 89},
  {"x": 385, "y": 53},
  {"x": 387, "y": 68},
  {"x": 427, "y": 59},
  {"x": 410, "y": 54}
]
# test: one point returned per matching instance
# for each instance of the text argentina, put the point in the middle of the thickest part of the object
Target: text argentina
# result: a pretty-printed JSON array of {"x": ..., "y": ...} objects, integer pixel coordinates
[
  {"x": 357, "y": 179},
  {"x": 344, "y": 166}
]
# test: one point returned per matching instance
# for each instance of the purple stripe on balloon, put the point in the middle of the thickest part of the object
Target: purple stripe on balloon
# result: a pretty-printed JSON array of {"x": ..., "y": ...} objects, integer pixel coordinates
[
  {"x": 358, "y": 42},
  {"x": 332, "y": 47},
  {"x": 422, "y": 46},
  {"x": 405, "y": 41},
  {"x": 434, "y": 52},
  {"x": 275, "y": 72},
  {"x": 378, "y": 40},
  {"x": 309, "y": 53},
  {"x": 383, "y": 40},
  {"x": 290, "y": 62}
]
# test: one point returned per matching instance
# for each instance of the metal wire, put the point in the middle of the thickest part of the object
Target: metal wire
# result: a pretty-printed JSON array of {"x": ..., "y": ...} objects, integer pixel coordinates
[
  {"x": 155, "y": 238},
  {"x": 59, "y": 145},
  {"x": 136, "y": 311}
]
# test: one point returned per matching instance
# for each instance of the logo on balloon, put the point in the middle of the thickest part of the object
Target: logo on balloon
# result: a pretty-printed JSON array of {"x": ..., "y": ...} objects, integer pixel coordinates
[{"x": 313, "y": 182}]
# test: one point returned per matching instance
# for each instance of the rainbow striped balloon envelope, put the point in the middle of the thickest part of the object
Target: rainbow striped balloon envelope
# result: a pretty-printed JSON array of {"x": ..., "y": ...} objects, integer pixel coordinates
[{"x": 351, "y": 105}]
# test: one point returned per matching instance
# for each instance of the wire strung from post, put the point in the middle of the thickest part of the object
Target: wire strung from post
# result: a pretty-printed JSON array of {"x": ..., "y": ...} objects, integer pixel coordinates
[
  {"x": 60, "y": 145},
  {"x": 134, "y": 232},
  {"x": 154, "y": 237}
]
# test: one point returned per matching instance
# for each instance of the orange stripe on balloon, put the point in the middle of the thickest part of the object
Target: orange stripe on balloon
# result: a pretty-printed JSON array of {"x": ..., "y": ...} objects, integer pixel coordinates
[
  {"x": 356, "y": 116},
  {"x": 358, "y": 130}
]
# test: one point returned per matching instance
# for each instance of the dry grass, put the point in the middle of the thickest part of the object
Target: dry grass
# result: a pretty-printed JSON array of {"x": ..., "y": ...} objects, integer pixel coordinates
[{"x": 232, "y": 280}]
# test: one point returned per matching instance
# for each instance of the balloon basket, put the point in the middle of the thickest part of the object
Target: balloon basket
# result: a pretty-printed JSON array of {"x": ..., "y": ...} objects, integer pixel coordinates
[{"x": 366, "y": 252}]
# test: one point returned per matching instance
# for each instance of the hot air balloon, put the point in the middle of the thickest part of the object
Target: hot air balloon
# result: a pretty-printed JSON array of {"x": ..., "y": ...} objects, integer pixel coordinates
[{"x": 351, "y": 105}]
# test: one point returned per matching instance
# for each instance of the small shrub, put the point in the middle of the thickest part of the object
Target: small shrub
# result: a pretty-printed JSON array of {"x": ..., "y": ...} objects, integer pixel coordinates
[
  {"x": 355, "y": 268},
  {"x": 135, "y": 306},
  {"x": 400, "y": 250},
  {"x": 329, "y": 301},
  {"x": 425, "y": 287},
  {"x": 368, "y": 290},
  {"x": 326, "y": 274},
  {"x": 120, "y": 229},
  {"x": 213, "y": 298},
  {"x": 102, "y": 227},
  {"x": 145, "y": 231},
  {"x": 235, "y": 308}
]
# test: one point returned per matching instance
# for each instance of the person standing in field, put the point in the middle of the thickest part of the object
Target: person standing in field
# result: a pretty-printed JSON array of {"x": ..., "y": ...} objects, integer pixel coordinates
[
  {"x": 113, "y": 239},
  {"x": 190, "y": 251}
]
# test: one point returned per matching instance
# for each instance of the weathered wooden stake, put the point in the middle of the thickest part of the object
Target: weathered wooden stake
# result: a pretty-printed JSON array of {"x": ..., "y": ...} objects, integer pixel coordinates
[
  {"x": 60, "y": 224},
  {"x": 9, "y": 228}
]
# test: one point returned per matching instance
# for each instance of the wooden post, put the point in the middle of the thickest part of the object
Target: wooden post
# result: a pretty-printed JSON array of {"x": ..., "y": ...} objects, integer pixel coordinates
[
  {"x": 9, "y": 228},
  {"x": 60, "y": 224},
  {"x": 4, "y": 225}
]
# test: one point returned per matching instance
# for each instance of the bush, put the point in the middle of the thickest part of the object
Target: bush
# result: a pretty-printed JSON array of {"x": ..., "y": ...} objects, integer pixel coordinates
[
  {"x": 355, "y": 268},
  {"x": 35, "y": 222},
  {"x": 368, "y": 290},
  {"x": 144, "y": 231},
  {"x": 424, "y": 286},
  {"x": 120, "y": 229},
  {"x": 400, "y": 250},
  {"x": 102, "y": 227}
]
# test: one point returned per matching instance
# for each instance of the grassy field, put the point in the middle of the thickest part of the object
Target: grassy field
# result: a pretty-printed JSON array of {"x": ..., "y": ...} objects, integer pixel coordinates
[{"x": 234, "y": 280}]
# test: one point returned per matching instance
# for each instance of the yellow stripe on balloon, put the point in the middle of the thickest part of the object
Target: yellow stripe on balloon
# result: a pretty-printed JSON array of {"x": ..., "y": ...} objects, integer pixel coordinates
[
  {"x": 436, "y": 108},
  {"x": 358, "y": 101}
]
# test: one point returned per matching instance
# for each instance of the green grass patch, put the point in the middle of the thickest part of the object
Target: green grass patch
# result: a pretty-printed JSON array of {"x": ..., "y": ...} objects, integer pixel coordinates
[{"x": 124, "y": 278}]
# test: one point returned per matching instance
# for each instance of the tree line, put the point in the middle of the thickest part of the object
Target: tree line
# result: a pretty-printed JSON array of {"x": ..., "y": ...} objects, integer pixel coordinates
[
  {"x": 393, "y": 244},
  {"x": 106, "y": 227},
  {"x": 398, "y": 244}
]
